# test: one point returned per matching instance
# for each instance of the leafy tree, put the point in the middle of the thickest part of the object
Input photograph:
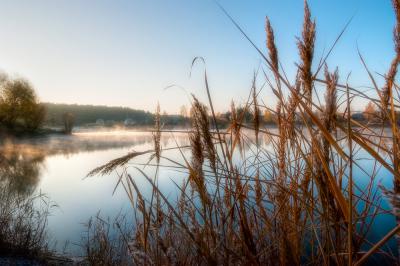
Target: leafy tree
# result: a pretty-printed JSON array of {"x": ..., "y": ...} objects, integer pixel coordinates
[
  {"x": 19, "y": 106},
  {"x": 87, "y": 114}
]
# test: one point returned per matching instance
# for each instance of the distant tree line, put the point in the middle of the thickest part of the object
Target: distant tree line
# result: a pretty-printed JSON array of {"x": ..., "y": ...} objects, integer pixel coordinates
[
  {"x": 81, "y": 115},
  {"x": 373, "y": 114},
  {"x": 88, "y": 114},
  {"x": 21, "y": 111}
]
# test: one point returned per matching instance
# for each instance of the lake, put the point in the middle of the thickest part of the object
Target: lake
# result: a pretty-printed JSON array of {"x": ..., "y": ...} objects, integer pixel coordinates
[{"x": 57, "y": 166}]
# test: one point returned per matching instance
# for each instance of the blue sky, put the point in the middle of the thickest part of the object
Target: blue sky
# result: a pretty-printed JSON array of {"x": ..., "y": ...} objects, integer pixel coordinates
[{"x": 125, "y": 52}]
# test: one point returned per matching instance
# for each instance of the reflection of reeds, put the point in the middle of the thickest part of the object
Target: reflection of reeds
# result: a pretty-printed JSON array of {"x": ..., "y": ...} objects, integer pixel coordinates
[{"x": 287, "y": 203}]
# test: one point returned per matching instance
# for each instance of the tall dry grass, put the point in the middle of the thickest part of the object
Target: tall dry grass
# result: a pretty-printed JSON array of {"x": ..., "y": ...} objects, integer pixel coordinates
[{"x": 292, "y": 202}]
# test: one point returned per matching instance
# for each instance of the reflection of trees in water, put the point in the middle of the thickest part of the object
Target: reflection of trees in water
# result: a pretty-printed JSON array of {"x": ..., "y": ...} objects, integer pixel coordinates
[
  {"x": 21, "y": 160},
  {"x": 20, "y": 170},
  {"x": 87, "y": 142}
]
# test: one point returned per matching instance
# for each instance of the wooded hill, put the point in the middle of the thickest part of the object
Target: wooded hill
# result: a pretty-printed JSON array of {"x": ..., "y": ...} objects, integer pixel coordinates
[
  {"x": 90, "y": 114},
  {"x": 100, "y": 115}
]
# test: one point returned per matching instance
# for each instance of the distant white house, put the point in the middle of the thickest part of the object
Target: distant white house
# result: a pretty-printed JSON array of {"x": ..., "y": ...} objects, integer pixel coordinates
[{"x": 129, "y": 122}]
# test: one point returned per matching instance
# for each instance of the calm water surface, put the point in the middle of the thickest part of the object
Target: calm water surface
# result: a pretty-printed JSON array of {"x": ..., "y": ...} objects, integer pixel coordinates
[{"x": 57, "y": 166}]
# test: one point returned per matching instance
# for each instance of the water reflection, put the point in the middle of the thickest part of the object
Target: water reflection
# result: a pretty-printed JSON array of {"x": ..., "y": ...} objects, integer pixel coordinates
[
  {"x": 20, "y": 170},
  {"x": 22, "y": 161},
  {"x": 69, "y": 145}
]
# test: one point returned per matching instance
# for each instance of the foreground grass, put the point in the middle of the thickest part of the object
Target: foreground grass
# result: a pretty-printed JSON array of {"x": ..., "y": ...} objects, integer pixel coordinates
[{"x": 23, "y": 226}]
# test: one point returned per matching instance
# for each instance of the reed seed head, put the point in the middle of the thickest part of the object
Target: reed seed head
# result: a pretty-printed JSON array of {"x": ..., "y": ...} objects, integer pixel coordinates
[
  {"x": 157, "y": 134},
  {"x": 306, "y": 51},
  {"x": 272, "y": 51},
  {"x": 330, "y": 99}
]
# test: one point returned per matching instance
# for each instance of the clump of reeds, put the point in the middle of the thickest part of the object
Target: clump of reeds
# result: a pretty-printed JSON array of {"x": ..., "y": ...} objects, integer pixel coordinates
[
  {"x": 23, "y": 225},
  {"x": 289, "y": 202},
  {"x": 104, "y": 242}
]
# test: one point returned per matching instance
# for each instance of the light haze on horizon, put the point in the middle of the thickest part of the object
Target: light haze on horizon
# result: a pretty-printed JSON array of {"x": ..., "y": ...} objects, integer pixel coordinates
[{"x": 124, "y": 53}]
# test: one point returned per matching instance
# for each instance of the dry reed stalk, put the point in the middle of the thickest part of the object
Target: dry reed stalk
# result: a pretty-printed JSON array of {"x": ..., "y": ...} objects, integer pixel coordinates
[
  {"x": 259, "y": 197},
  {"x": 196, "y": 173},
  {"x": 287, "y": 249},
  {"x": 330, "y": 121},
  {"x": 157, "y": 134},
  {"x": 202, "y": 125},
  {"x": 291, "y": 110},
  {"x": 272, "y": 51},
  {"x": 350, "y": 144},
  {"x": 247, "y": 236},
  {"x": 306, "y": 51},
  {"x": 330, "y": 111},
  {"x": 281, "y": 144},
  {"x": 388, "y": 105},
  {"x": 235, "y": 127},
  {"x": 256, "y": 113}
]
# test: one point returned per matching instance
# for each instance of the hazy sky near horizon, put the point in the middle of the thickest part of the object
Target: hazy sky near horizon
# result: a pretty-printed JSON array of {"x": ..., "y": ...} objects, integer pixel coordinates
[{"x": 125, "y": 52}]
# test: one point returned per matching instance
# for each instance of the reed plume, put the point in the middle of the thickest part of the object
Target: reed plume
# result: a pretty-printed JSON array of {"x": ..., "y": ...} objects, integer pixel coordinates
[
  {"x": 196, "y": 175},
  {"x": 272, "y": 51},
  {"x": 202, "y": 147},
  {"x": 306, "y": 51},
  {"x": 281, "y": 142},
  {"x": 202, "y": 124},
  {"x": 330, "y": 111},
  {"x": 157, "y": 134}
]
